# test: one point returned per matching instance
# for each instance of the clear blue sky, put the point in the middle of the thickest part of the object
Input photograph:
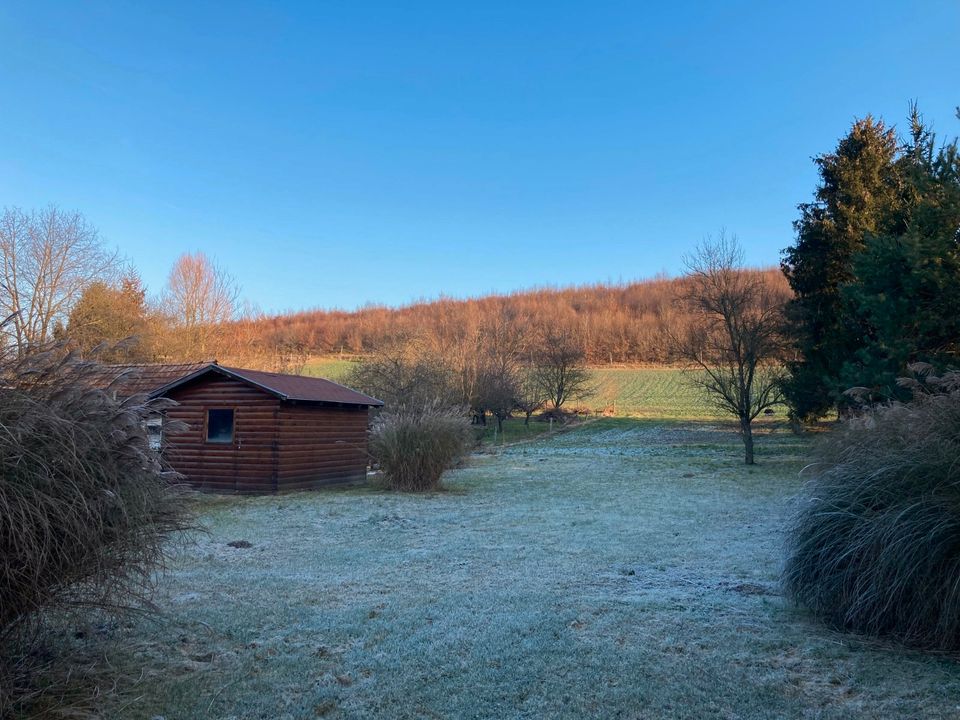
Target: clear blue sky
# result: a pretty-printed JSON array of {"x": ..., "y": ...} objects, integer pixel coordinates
[{"x": 335, "y": 153}]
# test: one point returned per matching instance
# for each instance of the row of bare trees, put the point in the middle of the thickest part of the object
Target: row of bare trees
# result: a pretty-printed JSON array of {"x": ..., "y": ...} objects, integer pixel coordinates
[
  {"x": 494, "y": 371},
  {"x": 733, "y": 343}
]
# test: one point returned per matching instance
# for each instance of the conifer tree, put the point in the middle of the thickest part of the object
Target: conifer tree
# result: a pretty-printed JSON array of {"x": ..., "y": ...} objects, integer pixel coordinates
[
  {"x": 860, "y": 193},
  {"x": 906, "y": 286}
]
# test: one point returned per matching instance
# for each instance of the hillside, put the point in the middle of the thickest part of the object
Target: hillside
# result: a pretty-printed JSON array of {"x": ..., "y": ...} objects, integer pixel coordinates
[{"x": 614, "y": 323}]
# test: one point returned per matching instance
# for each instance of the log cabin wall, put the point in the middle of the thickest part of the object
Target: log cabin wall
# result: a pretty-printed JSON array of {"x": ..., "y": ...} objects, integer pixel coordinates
[
  {"x": 276, "y": 445},
  {"x": 321, "y": 445},
  {"x": 248, "y": 463}
]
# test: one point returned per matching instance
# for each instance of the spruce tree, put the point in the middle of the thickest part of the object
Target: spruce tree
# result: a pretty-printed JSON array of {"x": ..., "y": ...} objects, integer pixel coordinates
[
  {"x": 860, "y": 194},
  {"x": 905, "y": 289}
]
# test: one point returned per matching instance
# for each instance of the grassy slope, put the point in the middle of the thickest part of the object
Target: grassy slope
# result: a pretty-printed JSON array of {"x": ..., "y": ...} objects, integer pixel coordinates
[
  {"x": 625, "y": 568},
  {"x": 332, "y": 368},
  {"x": 654, "y": 392}
]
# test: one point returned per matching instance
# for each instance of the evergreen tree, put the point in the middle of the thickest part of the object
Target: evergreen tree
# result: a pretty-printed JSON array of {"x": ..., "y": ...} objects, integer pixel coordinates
[
  {"x": 906, "y": 287},
  {"x": 860, "y": 194}
]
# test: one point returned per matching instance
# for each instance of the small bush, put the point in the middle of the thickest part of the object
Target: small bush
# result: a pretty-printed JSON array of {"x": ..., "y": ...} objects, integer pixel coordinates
[
  {"x": 85, "y": 507},
  {"x": 875, "y": 548},
  {"x": 414, "y": 448}
]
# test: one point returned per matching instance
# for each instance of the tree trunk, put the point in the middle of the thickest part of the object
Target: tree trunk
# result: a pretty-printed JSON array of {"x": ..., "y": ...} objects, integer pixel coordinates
[
  {"x": 500, "y": 424},
  {"x": 526, "y": 420},
  {"x": 746, "y": 430}
]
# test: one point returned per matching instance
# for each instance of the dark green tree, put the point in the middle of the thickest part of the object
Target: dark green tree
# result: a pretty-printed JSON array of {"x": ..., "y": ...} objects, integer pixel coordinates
[
  {"x": 905, "y": 289},
  {"x": 860, "y": 194}
]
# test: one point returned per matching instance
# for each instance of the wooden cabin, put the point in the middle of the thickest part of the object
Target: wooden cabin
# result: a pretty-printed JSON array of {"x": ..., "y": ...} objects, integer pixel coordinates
[{"x": 250, "y": 431}]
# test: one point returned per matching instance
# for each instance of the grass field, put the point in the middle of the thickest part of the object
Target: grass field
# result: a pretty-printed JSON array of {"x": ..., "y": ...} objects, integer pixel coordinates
[
  {"x": 652, "y": 392},
  {"x": 332, "y": 368},
  {"x": 625, "y": 568},
  {"x": 645, "y": 392}
]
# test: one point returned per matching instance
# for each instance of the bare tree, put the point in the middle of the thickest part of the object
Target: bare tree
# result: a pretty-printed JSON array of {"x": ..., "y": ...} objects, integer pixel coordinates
[
  {"x": 47, "y": 259},
  {"x": 735, "y": 344},
  {"x": 497, "y": 367},
  {"x": 497, "y": 391},
  {"x": 560, "y": 367},
  {"x": 406, "y": 379},
  {"x": 201, "y": 296},
  {"x": 530, "y": 395}
]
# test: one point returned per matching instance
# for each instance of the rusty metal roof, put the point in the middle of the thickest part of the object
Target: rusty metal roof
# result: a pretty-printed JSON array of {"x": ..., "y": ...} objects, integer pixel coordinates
[{"x": 297, "y": 388}]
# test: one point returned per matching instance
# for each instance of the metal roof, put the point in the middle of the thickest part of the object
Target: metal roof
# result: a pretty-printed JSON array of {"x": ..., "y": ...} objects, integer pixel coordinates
[{"x": 297, "y": 388}]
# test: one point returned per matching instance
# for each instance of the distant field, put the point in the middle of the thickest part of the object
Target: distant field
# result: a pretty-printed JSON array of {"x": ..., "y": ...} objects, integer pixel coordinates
[
  {"x": 332, "y": 368},
  {"x": 649, "y": 392},
  {"x": 653, "y": 392}
]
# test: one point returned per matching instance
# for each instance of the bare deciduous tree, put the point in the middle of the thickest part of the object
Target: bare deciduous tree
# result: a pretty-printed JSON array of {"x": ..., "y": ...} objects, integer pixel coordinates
[
  {"x": 497, "y": 366},
  {"x": 201, "y": 296},
  {"x": 47, "y": 259},
  {"x": 735, "y": 346},
  {"x": 406, "y": 379},
  {"x": 497, "y": 391},
  {"x": 560, "y": 368},
  {"x": 530, "y": 395}
]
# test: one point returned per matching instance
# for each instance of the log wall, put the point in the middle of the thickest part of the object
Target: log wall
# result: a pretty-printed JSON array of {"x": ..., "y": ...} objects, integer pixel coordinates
[
  {"x": 326, "y": 444},
  {"x": 276, "y": 445}
]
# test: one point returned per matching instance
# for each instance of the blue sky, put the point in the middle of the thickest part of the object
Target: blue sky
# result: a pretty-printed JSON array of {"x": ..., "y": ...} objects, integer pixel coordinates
[{"x": 331, "y": 154}]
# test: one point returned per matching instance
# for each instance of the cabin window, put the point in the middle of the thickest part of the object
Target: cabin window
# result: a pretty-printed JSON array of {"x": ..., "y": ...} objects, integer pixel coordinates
[
  {"x": 219, "y": 426},
  {"x": 154, "y": 427}
]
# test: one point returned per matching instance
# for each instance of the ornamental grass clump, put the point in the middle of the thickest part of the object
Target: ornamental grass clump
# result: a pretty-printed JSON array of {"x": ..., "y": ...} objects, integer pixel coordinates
[
  {"x": 415, "y": 447},
  {"x": 85, "y": 506},
  {"x": 875, "y": 548}
]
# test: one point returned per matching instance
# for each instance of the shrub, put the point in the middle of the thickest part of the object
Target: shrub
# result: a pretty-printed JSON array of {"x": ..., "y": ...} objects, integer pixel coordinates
[
  {"x": 875, "y": 548},
  {"x": 85, "y": 507},
  {"x": 405, "y": 378},
  {"x": 414, "y": 448}
]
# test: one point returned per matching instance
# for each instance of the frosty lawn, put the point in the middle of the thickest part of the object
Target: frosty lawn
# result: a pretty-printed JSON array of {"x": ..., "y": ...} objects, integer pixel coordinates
[{"x": 625, "y": 569}]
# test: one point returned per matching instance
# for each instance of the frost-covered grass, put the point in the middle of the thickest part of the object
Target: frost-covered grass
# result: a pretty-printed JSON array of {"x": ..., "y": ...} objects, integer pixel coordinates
[
  {"x": 625, "y": 568},
  {"x": 514, "y": 430}
]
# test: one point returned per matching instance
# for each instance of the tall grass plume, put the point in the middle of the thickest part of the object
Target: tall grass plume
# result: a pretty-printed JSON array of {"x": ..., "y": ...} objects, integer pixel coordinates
[
  {"x": 415, "y": 447},
  {"x": 875, "y": 547},
  {"x": 86, "y": 508}
]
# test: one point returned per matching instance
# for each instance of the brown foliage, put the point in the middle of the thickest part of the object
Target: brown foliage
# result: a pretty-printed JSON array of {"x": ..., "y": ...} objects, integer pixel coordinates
[{"x": 611, "y": 323}]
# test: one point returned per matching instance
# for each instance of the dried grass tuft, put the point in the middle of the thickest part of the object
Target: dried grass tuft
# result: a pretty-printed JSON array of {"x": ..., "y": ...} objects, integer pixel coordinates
[
  {"x": 86, "y": 508},
  {"x": 415, "y": 448},
  {"x": 875, "y": 548}
]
